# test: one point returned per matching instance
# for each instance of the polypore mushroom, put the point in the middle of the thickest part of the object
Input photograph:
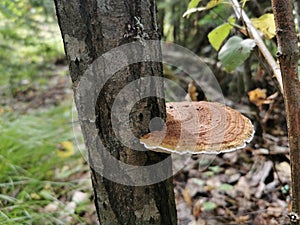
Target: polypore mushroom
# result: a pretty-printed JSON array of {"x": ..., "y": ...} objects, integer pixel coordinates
[{"x": 200, "y": 127}]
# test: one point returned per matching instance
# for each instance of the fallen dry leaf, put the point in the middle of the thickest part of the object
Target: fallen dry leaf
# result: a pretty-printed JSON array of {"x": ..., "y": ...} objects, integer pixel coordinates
[
  {"x": 258, "y": 96},
  {"x": 187, "y": 197},
  {"x": 192, "y": 91}
]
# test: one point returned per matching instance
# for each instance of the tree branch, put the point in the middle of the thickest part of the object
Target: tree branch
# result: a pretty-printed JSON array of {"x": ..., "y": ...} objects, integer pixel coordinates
[
  {"x": 288, "y": 56},
  {"x": 259, "y": 42}
]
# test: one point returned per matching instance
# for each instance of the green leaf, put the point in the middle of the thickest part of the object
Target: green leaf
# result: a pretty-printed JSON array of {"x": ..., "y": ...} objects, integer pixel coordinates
[
  {"x": 193, "y": 4},
  {"x": 218, "y": 35},
  {"x": 213, "y": 3},
  {"x": 214, "y": 169},
  {"x": 225, "y": 187},
  {"x": 208, "y": 206},
  {"x": 209, "y": 5},
  {"x": 235, "y": 51},
  {"x": 208, "y": 173},
  {"x": 197, "y": 181},
  {"x": 231, "y": 20},
  {"x": 265, "y": 24}
]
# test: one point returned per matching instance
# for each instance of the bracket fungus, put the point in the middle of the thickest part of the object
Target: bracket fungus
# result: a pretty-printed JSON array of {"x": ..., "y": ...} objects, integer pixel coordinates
[{"x": 200, "y": 127}]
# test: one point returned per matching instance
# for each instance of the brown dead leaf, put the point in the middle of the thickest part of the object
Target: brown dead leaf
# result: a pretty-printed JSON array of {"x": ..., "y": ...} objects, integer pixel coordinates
[
  {"x": 274, "y": 211},
  {"x": 187, "y": 197},
  {"x": 283, "y": 170},
  {"x": 192, "y": 91},
  {"x": 242, "y": 219},
  {"x": 259, "y": 97},
  {"x": 197, "y": 209},
  {"x": 238, "y": 219},
  {"x": 243, "y": 187}
]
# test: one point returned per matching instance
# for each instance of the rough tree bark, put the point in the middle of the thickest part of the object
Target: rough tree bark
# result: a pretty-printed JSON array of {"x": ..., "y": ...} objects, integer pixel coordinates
[
  {"x": 90, "y": 29},
  {"x": 288, "y": 54}
]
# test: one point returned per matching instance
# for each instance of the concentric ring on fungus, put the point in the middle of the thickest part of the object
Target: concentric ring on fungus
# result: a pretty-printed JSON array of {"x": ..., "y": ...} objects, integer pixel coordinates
[{"x": 200, "y": 127}]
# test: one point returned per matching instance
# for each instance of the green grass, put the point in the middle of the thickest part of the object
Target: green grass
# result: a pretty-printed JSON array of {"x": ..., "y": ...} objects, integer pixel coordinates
[{"x": 32, "y": 174}]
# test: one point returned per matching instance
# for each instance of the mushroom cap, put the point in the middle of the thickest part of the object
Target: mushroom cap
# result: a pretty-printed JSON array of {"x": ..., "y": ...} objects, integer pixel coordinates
[{"x": 200, "y": 127}]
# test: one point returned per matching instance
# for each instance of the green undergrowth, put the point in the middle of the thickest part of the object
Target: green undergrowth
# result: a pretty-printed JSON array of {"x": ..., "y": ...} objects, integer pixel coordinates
[
  {"x": 30, "y": 43},
  {"x": 37, "y": 177},
  {"x": 32, "y": 174}
]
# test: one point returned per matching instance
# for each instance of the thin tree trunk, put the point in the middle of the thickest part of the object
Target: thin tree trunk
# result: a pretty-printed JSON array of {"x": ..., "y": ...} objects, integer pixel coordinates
[
  {"x": 288, "y": 58},
  {"x": 91, "y": 29}
]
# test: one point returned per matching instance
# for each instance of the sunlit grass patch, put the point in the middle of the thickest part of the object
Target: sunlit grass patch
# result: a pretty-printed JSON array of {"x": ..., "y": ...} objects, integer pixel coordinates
[
  {"x": 30, "y": 42},
  {"x": 33, "y": 176}
]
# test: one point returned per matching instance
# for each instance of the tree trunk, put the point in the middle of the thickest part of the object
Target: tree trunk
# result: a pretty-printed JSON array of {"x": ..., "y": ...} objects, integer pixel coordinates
[
  {"x": 116, "y": 96},
  {"x": 288, "y": 58}
]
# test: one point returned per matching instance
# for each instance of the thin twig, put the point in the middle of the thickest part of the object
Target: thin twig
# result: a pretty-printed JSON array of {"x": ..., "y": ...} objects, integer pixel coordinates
[{"x": 239, "y": 12}]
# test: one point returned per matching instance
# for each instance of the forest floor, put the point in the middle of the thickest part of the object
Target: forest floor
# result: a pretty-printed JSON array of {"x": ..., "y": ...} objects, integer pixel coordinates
[{"x": 248, "y": 186}]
